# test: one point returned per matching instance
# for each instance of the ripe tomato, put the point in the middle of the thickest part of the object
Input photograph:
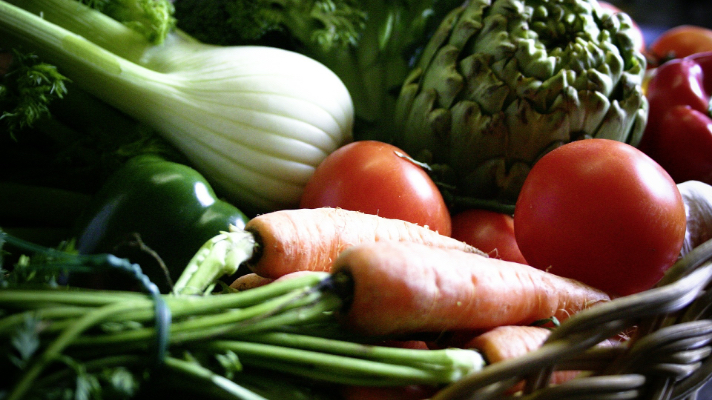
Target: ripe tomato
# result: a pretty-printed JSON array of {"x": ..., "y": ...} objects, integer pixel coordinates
[
  {"x": 681, "y": 41},
  {"x": 602, "y": 212},
  {"x": 372, "y": 177},
  {"x": 489, "y": 231},
  {"x": 638, "y": 37}
]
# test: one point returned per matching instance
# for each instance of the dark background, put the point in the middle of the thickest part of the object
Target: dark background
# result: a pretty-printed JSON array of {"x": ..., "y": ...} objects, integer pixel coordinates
[{"x": 654, "y": 16}]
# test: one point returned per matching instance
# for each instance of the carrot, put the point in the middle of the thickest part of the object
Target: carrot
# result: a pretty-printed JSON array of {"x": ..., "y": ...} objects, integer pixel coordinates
[
  {"x": 252, "y": 280},
  {"x": 311, "y": 239},
  {"x": 509, "y": 341},
  {"x": 249, "y": 281},
  {"x": 506, "y": 342},
  {"x": 398, "y": 288}
]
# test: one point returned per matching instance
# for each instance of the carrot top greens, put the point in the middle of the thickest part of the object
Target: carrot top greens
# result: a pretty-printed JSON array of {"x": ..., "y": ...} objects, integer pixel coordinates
[{"x": 86, "y": 342}]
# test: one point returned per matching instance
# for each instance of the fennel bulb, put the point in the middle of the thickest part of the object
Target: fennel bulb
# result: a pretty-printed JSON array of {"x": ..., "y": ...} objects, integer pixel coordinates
[{"x": 255, "y": 121}]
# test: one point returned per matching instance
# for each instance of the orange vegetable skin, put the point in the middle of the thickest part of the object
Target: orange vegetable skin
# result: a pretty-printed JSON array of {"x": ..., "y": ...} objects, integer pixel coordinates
[
  {"x": 506, "y": 342},
  {"x": 407, "y": 288},
  {"x": 311, "y": 239},
  {"x": 249, "y": 281}
]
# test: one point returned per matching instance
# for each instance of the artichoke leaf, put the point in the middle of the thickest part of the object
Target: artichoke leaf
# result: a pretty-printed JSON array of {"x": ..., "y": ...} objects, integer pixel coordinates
[
  {"x": 443, "y": 76},
  {"x": 483, "y": 85},
  {"x": 503, "y": 82}
]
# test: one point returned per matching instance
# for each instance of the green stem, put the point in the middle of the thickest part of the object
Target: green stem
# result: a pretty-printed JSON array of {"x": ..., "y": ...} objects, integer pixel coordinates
[
  {"x": 259, "y": 317},
  {"x": 96, "y": 27},
  {"x": 180, "y": 306},
  {"x": 11, "y": 322},
  {"x": 55, "y": 349},
  {"x": 331, "y": 367},
  {"x": 463, "y": 359},
  {"x": 104, "y": 74},
  {"x": 210, "y": 378},
  {"x": 227, "y": 312},
  {"x": 221, "y": 255},
  {"x": 29, "y": 298},
  {"x": 312, "y": 312}
]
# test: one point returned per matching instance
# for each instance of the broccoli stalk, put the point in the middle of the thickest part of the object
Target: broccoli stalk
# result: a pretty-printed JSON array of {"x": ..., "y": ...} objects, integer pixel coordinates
[
  {"x": 152, "y": 18},
  {"x": 370, "y": 44}
]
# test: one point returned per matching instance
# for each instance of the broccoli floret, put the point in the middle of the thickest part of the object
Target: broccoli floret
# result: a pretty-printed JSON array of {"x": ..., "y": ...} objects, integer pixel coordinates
[
  {"x": 324, "y": 23},
  {"x": 152, "y": 18},
  {"x": 27, "y": 87}
]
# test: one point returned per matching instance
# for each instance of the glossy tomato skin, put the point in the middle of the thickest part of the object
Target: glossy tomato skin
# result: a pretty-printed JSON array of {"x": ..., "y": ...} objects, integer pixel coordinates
[
  {"x": 489, "y": 231},
  {"x": 602, "y": 212},
  {"x": 377, "y": 178},
  {"x": 681, "y": 41}
]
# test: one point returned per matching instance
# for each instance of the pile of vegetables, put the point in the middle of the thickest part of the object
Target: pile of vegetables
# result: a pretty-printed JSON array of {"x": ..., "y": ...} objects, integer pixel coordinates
[
  {"x": 332, "y": 199},
  {"x": 256, "y": 128}
]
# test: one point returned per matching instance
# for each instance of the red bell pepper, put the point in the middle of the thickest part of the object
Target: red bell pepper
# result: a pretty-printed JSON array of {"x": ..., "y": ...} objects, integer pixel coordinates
[{"x": 678, "y": 134}]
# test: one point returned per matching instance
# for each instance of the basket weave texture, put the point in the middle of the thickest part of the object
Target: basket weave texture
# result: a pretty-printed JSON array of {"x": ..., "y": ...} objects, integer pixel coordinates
[{"x": 667, "y": 356}]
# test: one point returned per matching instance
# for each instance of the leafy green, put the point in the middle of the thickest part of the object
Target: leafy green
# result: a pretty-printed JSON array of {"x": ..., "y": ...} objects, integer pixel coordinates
[
  {"x": 216, "y": 341},
  {"x": 28, "y": 84},
  {"x": 25, "y": 341},
  {"x": 27, "y": 87},
  {"x": 59, "y": 135}
]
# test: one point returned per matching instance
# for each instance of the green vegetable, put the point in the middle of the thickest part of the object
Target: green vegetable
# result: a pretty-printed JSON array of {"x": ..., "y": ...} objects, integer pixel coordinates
[
  {"x": 29, "y": 84},
  {"x": 27, "y": 87},
  {"x": 212, "y": 339},
  {"x": 503, "y": 82},
  {"x": 255, "y": 121},
  {"x": 327, "y": 24},
  {"x": 151, "y": 18},
  {"x": 169, "y": 206},
  {"x": 369, "y": 44}
]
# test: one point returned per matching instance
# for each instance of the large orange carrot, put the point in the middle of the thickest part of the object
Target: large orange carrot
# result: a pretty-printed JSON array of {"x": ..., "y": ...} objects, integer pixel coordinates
[
  {"x": 311, "y": 239},
  {"x": 408, "y": 287}
]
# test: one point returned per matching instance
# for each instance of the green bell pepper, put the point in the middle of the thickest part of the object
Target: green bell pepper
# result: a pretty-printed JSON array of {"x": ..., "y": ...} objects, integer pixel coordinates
[{"x": 168, "y": 206}]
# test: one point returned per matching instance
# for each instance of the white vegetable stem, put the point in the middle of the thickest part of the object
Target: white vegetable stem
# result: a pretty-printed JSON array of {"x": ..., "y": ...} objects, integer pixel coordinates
[{"x": 256, "y": 121}]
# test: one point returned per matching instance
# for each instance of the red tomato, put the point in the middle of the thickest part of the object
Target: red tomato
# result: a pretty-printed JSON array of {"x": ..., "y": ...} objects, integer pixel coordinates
[
  {"x": 602, "y": 212},
  {"x": 489, "y": 231},
  {"x": 638, "y": 37},
  {"x": 372, "y": 177},
  {"x": 681, "y": 41}
]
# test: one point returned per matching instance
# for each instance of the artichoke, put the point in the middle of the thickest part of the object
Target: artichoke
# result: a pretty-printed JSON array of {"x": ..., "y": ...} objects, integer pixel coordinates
[{"x": 503, "y": 82}]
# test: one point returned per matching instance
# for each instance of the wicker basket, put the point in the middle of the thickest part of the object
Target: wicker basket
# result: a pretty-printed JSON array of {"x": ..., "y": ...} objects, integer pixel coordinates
[{"x": 667, "y": 356}]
